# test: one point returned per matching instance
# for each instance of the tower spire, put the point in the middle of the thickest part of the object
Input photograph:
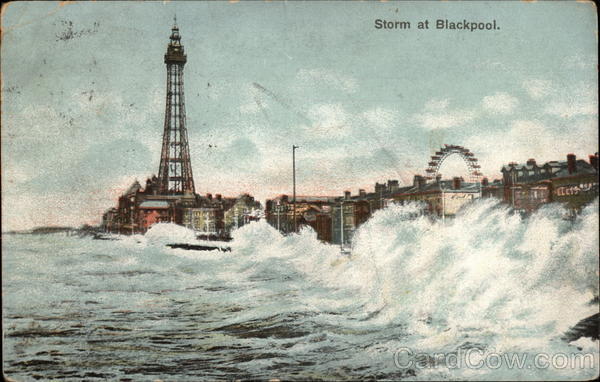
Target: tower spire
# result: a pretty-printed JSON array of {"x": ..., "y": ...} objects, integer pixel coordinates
[{"x": 175, "y": 171}]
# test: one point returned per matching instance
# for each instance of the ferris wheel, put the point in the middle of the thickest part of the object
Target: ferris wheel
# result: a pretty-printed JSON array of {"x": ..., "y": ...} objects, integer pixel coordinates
[{"x": 448, "y": 150}]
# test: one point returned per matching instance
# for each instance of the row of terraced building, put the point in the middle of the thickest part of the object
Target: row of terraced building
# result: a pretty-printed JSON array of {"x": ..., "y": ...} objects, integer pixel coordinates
[{"x": 525, "y": 187}]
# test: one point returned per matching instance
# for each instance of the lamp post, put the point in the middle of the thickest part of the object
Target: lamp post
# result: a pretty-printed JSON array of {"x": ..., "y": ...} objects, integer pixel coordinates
[
  {"x": 278, "y": 209},
  {"x": 342, "y": 225},
  {"x": 294, "y": 147},
  {"x": 513, "y": 176},
  {"x": 132, "y": 215}
]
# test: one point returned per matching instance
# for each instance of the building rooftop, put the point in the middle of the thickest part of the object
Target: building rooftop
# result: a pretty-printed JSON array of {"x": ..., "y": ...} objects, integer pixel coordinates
[
  {"x": 532, "y": 172},
  {"x": 443, "y": 185},
  {"x": 135, "y": 187},
  {"x": 582, "y": 167},
  {"x": 154, "y": 204},
  {"x": 307, "y": 199}
]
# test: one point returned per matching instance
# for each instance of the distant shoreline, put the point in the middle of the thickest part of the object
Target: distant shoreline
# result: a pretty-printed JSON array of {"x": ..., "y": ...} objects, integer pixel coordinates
[{"x": 45, "y": 230}]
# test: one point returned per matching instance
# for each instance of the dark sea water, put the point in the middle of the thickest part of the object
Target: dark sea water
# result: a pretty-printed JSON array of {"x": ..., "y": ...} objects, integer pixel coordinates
[{"x": 412, "y": 292}]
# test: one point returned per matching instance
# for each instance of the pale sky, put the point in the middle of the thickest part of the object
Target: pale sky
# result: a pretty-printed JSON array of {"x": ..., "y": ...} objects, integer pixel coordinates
[{"x": 83, "y": 93}]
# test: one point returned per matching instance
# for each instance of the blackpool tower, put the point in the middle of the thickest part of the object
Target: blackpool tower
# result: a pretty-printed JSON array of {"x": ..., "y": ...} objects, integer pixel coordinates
[{"x": 175, "y": 172}]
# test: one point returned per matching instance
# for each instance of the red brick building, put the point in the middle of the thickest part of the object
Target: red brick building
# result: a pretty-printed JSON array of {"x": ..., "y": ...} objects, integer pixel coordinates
[{"x": 154, "y": 211}]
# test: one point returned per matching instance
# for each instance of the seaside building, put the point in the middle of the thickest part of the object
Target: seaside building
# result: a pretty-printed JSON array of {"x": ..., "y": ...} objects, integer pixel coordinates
[
  {"x": 313, "y": 211},
  {"x": 347, "y": 214},
  {"x": 525, "y": 186},
  {"x": 335, "y": 219},
  {"x": 382, "y": 196},
  {"x": 576, "y": 184},
  {"x": 495, "y": 189},
  {"x": 207, "y": 218},
  {"x": 442, "y": 198},
  {"x": 126, "y": 209},
  {"x": 243, "y": 210},
  {"x": 109, "y": 220},
  {"x": 572, "y": 182},
  {"x": 154, "y": 211}
]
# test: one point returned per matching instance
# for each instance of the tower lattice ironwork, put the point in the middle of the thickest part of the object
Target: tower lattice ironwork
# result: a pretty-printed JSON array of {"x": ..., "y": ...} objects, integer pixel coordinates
[{"x": 175, "y": 171}]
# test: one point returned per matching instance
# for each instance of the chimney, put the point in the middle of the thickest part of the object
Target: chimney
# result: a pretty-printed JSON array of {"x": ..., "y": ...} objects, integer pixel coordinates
[
  {"x": 380, "y": 188},
  {"x": 456, "y": 183},
  {"x": 571, "y": 163},
  {"x": 418, "y": 181},
  {"x": 594, "y": 161},
  {"x": 346, "y": 195},
  {"x": 209, "y": 196},
  {"x": 485, "y": 182},
  {"x": 530, "y": 162},
  {"x": 218, "y": 196},
  {"x": 438, "y": 178},
  {"x": 362, "y": 193}
]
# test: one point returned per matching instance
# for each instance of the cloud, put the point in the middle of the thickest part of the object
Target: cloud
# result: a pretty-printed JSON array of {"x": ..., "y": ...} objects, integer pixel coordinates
[
  {"x": 34, "y": 138},
  {"x": 339, "y": 148},
  {"x": 38, "y": 123},
  {"x": 500, "y": 103},
  {"x": 437, "y": 104},
  {"x": 253, "y": 100},
  {"x": 355, "y": 132},
  {"x": 537, "y": 89},
  {"x": 230, "y": 166},
  {"x": 580, "y": 61},
  {"x": 76, "y": 191},
  {"x": 251, "y": 107},
  {"x": 532, "y": 139},
  {"x": 577, "y": 100},
  {"x": 328, "y": 78},
  {"x": 99, "y": 165},
  {"x": 381, "y": 118},
  {"x": 437, "y": 115},
  {"x": 572, "y": 108},
  {"x": 329, "y": 120}
]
